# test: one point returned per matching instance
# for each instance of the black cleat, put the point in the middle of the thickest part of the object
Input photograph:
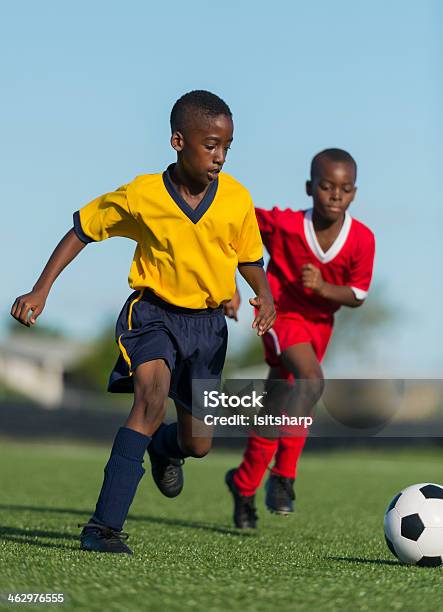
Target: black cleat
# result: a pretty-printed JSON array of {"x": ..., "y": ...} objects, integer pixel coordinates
[
  {"x": 245, "y": 514},
  {"x": 99, "y": 538},
  {"x": 280, "y": 494},
  {"x": 167, "y": 473}
]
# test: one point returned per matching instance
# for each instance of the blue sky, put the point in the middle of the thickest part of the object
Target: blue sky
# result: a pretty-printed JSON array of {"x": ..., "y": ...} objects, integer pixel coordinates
[{"x": 88, "y": 89}]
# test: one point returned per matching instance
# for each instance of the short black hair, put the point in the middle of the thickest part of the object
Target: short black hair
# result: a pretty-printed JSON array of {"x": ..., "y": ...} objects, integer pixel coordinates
[
  {"x": 198, "y": 102},
  {"x": 335, "y": 155}
]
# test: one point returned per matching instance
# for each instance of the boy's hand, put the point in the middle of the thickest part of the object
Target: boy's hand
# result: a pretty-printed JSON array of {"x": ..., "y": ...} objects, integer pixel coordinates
[
  {"x": 30, "y": 302},
  {"x": 266, "y": 314},
  {"x": 312, "y": 278},
  {"x": 34, "y": 301},
  {"x": 231, "y": 307}
]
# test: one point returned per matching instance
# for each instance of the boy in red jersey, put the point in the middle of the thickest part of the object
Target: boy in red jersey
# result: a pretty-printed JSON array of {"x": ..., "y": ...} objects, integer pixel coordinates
[{"x": 320, "y": 259}]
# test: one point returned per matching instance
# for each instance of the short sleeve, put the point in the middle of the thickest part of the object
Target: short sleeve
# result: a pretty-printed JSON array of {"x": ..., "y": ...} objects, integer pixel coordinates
[
  {"x": 362, "y": 267},
  {"x": 250, "y": 246},
  {"x": 107, "y": 216},
  {"x": 267, "y": 220}
]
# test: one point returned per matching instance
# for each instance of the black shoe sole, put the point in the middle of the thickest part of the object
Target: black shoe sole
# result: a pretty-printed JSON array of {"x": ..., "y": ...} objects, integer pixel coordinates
[
  {"x": 167, "y": 492},
  {"x": 280, "y": 511},
  {"x": 125, "y": 551},
  {"x": 106, "y": 552}
]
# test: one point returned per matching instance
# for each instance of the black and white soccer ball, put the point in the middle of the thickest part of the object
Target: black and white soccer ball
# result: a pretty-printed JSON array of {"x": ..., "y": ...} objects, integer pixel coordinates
[{"x": 414, "y": 525}]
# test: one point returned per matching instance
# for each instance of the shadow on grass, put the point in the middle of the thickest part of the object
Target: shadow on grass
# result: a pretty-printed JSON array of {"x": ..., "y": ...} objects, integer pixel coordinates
[
  {"x": 361, "y": 560},
  {"x": 31, "y": 537},
  {"x": 158, "y": 520},
  {"x": 192, "y": 524}
]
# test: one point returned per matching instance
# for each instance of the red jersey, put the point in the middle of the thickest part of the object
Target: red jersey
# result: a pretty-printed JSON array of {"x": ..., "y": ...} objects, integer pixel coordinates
[{"x": 290, "y": 240}]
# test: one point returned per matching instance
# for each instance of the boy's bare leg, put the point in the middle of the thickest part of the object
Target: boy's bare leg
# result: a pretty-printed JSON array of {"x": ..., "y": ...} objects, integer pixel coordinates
[
  {"x": 151, "y": 388},
  {"x": 302, "y": 362},
  {"x": 194, "y": 437}
]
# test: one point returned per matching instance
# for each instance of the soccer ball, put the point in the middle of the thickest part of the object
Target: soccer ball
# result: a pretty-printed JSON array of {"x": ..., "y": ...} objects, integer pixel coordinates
[{"x": 414, "y": 525}]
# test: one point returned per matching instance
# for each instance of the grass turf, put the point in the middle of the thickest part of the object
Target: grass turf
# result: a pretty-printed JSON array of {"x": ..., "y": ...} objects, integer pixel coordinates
[{"x": 330, "y": 555}]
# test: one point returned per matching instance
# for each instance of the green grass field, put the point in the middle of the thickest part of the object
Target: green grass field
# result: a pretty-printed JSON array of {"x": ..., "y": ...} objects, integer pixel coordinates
[{"x": 330, "y": 555}]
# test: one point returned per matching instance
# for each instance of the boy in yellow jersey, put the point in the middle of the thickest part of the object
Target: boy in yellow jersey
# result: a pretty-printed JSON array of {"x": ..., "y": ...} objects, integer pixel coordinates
[{"x": 193, "y": 226}]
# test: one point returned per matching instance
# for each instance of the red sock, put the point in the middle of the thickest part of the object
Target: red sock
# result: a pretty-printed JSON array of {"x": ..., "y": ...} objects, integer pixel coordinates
[
  {"x": 287, "y": 456},
  {"x": 257, "y": 457}
]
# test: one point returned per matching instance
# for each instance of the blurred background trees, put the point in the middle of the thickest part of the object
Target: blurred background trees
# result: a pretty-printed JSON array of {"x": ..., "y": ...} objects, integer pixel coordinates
[{"x": 92, "y": 372}]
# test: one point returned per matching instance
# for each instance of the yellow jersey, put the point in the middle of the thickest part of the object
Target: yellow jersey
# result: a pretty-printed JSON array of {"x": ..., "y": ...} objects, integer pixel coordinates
[{"x": 186, "y": 256}]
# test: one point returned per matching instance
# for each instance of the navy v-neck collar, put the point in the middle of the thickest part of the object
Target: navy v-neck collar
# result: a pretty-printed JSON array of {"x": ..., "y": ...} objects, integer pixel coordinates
[{"x": 193, "y": 214}]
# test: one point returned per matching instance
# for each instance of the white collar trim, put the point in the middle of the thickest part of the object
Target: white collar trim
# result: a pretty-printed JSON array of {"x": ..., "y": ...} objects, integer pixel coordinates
[{"x": 336, "y": 246}]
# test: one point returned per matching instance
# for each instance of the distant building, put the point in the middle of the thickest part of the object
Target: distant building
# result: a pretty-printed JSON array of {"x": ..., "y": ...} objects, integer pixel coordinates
[{"x": 35, "y": 366}]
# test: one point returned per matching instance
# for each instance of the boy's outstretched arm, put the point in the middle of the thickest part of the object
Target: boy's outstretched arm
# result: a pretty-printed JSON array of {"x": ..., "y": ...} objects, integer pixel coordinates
[
  {"x": 256, "y": 279},
  {"x": 34, "y": 301},
  {"x": 312, "y": 279}
]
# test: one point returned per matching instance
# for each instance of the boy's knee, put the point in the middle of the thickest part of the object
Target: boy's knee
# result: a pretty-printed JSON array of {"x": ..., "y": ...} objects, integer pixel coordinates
[
  {"x": 313, "y": 384},
  {"x": 151, "y": 397},
  {"x": 196, "y": 447},
  {"x": 153, "y": 403}
]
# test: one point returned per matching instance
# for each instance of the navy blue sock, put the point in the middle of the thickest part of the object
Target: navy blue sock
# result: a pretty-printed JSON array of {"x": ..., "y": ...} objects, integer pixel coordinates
[
  {"x": 165, "y": 442},
  {"x": 123, "y": 472}
]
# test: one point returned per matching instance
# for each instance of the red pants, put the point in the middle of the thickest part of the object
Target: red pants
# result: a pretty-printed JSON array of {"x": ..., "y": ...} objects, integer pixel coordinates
[{"x": 287, "y": 331}]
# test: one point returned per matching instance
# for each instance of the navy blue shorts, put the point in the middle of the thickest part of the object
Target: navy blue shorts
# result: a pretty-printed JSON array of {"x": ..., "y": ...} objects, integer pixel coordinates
[{"x": 192, "y": 343}]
